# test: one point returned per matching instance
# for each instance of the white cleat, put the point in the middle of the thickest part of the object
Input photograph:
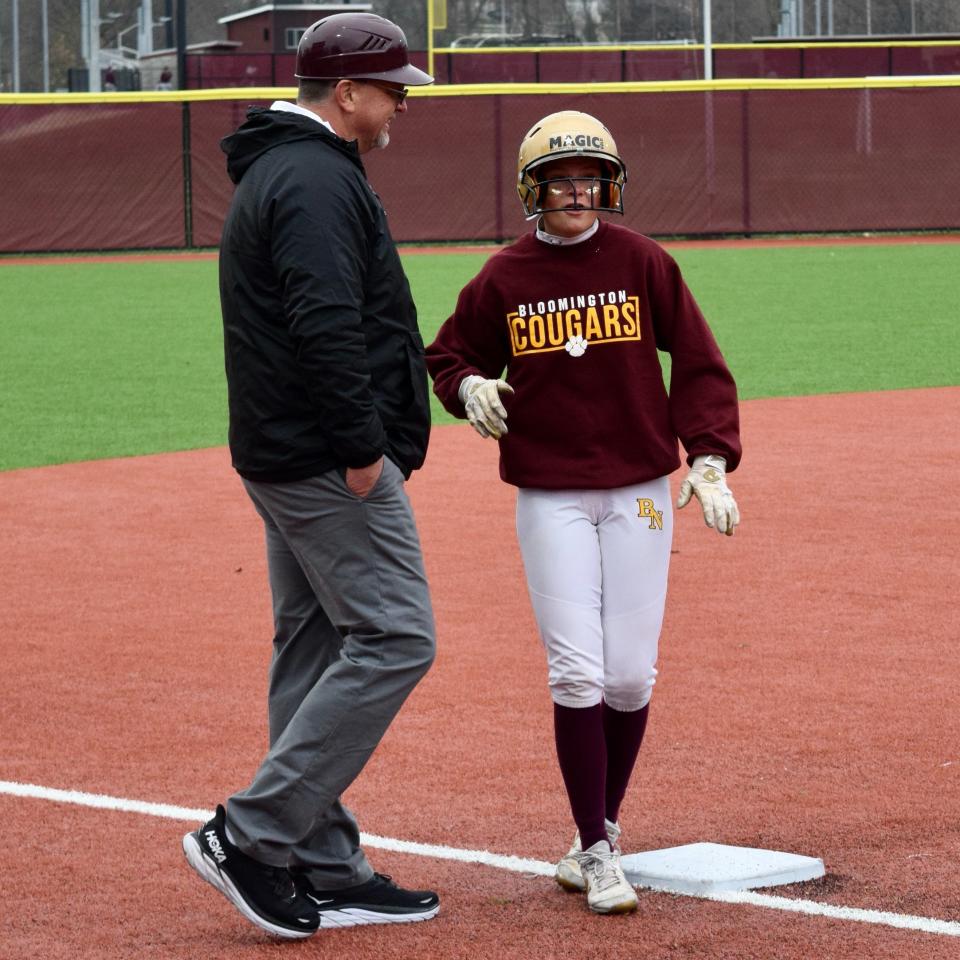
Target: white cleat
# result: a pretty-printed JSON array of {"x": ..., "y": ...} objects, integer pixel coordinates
[
  {"x": 608, "y": 890},
  {"x": 568, "y": 869}
]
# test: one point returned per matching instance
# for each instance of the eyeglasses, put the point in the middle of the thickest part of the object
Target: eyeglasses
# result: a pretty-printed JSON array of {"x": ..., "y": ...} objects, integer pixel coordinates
[{"x": 398, "y": 93}]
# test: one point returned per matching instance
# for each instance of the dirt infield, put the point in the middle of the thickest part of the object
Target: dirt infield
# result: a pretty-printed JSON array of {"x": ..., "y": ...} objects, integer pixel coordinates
[{"x": 807, "y": 702}]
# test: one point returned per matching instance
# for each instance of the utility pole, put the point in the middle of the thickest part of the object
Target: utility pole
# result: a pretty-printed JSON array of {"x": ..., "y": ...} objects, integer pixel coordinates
[
  {"x": 707, "y": 41},
  {"x": 45, "y": 26},
  {"x": 145, "y": 42},
  {"x": 15, "y": 41},
  {"x": 785, "y": 26},
  {"x": 93, "y": 46},
  {"x": 182, "y": 43}
]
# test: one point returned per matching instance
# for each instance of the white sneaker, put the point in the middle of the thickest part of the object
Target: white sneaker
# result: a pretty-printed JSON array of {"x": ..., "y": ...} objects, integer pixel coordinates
[
  {"x": 568, "y": 869},
  {"x": 608, "y": 890}
]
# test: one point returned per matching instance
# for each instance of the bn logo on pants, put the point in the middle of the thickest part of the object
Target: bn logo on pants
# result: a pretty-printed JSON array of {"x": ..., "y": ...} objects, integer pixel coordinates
[{"x": 647, "y": 511}]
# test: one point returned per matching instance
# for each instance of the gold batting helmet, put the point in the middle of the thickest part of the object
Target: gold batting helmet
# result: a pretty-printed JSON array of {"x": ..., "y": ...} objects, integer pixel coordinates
[{"x": 569, "y": 133}]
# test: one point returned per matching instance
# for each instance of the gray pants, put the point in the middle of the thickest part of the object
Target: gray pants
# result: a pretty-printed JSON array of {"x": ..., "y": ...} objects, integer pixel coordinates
[{"x": 354, "y": 633}]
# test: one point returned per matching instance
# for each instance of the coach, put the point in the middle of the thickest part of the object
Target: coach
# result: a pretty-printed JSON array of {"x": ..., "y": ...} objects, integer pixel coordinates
[{"x": 328, "y": 416}]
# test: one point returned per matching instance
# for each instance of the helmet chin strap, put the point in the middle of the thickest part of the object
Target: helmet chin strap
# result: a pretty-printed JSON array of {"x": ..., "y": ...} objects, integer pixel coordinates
[{"x": 556, "y": 241}]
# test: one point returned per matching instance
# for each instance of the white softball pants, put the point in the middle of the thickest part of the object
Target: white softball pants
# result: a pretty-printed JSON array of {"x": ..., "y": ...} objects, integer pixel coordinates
[{"x": 596, "y": 563}]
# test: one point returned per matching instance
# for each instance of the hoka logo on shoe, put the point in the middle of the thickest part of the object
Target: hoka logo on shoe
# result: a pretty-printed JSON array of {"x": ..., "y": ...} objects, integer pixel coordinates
[{"x": 213, "y": 841}]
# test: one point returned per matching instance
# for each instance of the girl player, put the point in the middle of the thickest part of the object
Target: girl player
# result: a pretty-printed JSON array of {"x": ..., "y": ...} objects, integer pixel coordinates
[{"x": 575, "y": 313}]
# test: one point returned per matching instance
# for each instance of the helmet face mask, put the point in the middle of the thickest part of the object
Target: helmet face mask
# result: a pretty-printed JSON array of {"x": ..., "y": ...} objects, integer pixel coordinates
[
  {"x": 357, "y": 46},
  {"x": 560, "y": 136},
  {"x": 583, "y": 189}
]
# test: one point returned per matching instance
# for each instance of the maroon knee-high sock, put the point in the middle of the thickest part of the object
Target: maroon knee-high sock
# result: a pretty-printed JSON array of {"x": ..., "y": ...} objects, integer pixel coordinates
[
  {"x": 623, "y": 732},
  {"x": 582, "y": 754}
]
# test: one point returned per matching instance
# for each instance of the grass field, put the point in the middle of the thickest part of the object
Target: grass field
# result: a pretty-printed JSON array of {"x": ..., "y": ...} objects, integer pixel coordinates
[{"x": 119, "y": 359}]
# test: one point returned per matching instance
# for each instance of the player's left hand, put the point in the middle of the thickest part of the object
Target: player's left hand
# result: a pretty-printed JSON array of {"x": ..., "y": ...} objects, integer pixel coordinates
[{"x": 707, "y": 482}]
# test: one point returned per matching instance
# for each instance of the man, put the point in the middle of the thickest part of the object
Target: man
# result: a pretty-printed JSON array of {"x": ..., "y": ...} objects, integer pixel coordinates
[{"x": 328, "y": 416}]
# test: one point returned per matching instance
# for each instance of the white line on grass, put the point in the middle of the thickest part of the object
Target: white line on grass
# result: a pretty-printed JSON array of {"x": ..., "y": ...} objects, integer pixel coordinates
[{"x": 499, "y": 861}]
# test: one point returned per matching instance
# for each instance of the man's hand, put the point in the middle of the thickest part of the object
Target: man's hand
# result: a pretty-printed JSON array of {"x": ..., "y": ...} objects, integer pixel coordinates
[
  {"x": 361, "y": 480},
  {"x": 485, "y": 411},
  {"x": 706, "y": 481}
]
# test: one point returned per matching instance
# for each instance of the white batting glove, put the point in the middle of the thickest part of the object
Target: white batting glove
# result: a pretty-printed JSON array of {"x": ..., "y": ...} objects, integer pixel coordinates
[
  {"x": 481, "y": 400},
  {"x": 707, "y": 482}
]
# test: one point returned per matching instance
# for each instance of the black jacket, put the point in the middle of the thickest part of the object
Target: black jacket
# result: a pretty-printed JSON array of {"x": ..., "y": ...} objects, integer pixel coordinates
[{"x": 325, "y": 364}]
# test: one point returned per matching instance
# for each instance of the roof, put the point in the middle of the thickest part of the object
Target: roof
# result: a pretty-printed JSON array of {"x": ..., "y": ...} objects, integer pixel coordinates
[
  {"x": 209, "y": 46},
  {"x": 313, "y": 7}
]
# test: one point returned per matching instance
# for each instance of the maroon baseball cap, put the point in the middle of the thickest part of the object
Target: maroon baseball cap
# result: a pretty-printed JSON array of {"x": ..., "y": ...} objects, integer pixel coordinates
[{"x": 358, "y": 46}]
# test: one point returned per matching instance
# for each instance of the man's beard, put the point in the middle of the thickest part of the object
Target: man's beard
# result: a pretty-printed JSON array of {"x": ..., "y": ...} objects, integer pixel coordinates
[{"x": 383, "y": 138}]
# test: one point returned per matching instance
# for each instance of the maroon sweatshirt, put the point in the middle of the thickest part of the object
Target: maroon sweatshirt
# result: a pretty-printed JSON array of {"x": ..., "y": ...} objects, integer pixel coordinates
[{"x": 578, "y": 328}]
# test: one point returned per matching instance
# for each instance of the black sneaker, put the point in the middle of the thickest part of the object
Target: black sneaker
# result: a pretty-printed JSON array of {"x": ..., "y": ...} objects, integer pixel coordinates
[
  {"x": 379, "y": 900},
  {"x": 265, "y": 895}
]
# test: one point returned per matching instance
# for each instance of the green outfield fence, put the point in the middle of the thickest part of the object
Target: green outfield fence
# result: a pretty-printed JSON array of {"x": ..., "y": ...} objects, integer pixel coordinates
[{"x": 144, "y": 170}]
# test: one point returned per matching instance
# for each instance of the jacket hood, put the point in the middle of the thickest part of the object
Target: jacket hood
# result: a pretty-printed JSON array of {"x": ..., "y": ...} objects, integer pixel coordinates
[{"x": 265, "y": 129}]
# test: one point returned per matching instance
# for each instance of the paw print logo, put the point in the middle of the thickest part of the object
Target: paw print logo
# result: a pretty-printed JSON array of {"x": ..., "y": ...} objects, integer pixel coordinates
[{"x": 576, "y": 346}]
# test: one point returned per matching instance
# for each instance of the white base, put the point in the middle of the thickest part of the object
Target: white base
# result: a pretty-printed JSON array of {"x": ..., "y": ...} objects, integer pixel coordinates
[{"x": 705, "y": 868}]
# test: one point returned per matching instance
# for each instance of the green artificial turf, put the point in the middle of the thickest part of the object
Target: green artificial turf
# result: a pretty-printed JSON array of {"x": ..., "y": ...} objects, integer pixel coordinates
[
  {"x": 125, "y": 358},
  {"x": 794, "y": 321},
  {"x": 109, "y": 359}
]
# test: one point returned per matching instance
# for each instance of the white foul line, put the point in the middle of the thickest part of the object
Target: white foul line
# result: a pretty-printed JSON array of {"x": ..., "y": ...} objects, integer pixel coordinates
[
  {"x": 902, "y": 921},
  {"x": 501, "y": 862}
]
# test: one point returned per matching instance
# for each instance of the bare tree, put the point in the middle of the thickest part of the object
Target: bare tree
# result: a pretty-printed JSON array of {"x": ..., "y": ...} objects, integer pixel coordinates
[
  {"x": 411, "y": 17},
  {"x": 885, "y": 17},
  {"x": 632, "y": 21},
  {"x": 590, "y": 20},
  {"x": 65, "y": 42},
  {"x": 590, "y": 28}
]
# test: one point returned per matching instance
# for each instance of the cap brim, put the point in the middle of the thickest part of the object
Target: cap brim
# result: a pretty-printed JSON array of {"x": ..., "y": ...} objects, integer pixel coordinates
[{"x": 409, "y": 76}]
